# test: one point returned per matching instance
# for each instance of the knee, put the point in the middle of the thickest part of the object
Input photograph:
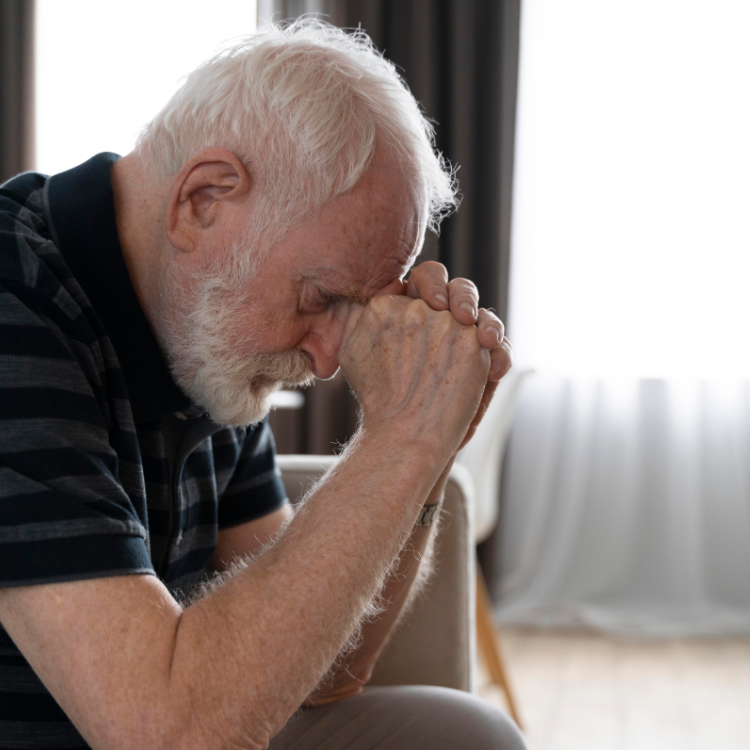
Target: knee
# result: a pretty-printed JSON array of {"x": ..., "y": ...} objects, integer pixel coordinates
[
  {"x": 480, "y": 725},
  {"x": 455, "y": 720},
  {"x": 490, "y": 728}
]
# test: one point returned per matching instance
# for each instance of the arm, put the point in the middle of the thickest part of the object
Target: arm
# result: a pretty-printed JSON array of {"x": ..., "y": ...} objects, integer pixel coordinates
[
  {"x": 133, "y": 669},
  {"x": 248, "y": 538},
  {"x": 353, "y": 669}
]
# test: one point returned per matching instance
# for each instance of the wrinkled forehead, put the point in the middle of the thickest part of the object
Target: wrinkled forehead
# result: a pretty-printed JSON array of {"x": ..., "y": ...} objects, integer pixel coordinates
[
  {"x": 376, "y": 261},
  {"x": 367, "y": 238},
  {"x": 385, "y": 243}
]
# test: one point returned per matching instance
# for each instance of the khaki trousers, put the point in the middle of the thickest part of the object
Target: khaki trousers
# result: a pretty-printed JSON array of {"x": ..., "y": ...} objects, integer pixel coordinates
[{"x": 401, "y": 718}]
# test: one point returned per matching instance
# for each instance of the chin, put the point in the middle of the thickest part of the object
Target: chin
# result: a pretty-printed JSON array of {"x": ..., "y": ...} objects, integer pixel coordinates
[
  {"x": 241, "y": 409},
  {"x": 244, "y": 399}
]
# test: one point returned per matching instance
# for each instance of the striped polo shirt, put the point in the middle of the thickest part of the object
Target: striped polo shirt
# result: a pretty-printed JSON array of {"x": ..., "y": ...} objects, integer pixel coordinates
[{"x": 106, "y": 468}]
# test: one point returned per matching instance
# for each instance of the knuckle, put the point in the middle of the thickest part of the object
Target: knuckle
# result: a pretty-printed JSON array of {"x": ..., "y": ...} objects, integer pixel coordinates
[
  {"x": 445, "y": 322},
  {"x": 430, "y": 273},
  {"x": 494, "y": 325},
  {"x": 465, "y": 286},
  {"x": 381, "y": 304},
  {"x": 490, "y": 316},
  {"x": 378, "y": 302},
  {"x": 433, "y": 267},
  {"x": 416, "y": 311}
]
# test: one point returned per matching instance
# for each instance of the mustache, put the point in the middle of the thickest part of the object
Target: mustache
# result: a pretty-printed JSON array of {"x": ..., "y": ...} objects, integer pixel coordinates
[{"x": 290, "y": 368}]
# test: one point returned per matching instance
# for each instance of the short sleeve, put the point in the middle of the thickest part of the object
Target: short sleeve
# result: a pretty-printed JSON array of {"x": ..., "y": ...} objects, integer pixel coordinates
[
  {"x": 255, "y": 489},
  {"x": 64, "y": 514}
]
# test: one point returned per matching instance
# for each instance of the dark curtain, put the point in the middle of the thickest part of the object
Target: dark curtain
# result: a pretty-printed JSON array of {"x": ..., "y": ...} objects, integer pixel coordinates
[
  {"x": 279, "y": 10},
  {"x": 16, "y": 87},
  {"x": 460, "y": 59}
]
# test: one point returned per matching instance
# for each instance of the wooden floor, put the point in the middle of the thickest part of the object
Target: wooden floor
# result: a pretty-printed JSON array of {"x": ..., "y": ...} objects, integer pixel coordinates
[{"x": 579, "y": 691}]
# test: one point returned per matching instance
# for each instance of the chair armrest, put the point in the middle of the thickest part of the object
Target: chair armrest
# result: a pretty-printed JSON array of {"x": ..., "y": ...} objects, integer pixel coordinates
[{"x": 435, "y": 643}]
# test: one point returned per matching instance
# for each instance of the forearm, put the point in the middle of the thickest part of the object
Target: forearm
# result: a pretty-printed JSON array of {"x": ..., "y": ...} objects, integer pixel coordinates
[
  {"x": 132, "y": 669},
  {"x": 353, "y": 668},
  {"x": 263, "y": 640}
]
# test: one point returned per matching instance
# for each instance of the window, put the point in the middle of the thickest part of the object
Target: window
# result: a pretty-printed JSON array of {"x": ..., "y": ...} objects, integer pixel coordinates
[
  {"x": 631, "y": 246},
  {"x": 104, "y": 69}
]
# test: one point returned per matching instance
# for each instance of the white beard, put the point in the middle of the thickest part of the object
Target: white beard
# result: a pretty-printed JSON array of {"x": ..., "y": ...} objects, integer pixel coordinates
[{"x": 212, "y": 360}]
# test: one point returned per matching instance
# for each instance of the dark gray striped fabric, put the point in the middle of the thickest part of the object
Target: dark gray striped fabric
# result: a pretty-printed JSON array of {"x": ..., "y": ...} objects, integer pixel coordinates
[{"x": 106, "y": 469}]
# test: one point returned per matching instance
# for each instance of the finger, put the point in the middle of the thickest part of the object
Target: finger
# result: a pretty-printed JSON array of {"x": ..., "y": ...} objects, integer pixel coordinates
[
  {"x": 429, "y": 282},
  {"x": 464, "y": 301},
  {"x": 501, "y": 360},
  {"x": 355, "y": 313},
  {"x": 484, "y": 404},
  {"x": 490, "y": 329},
  {"x": 489, "y": 392}
]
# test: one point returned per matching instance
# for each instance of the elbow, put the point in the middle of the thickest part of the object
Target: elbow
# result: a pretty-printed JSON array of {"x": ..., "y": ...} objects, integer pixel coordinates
[
  {"x": 219, "y": 738},
  {"x": 341, "y": 690},
  {"x": 323, "y": 699},
  {"x": 206, "y": 724}
]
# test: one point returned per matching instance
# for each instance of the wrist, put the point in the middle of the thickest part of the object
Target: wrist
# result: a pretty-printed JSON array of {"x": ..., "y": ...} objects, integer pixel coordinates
[
  {"x": 401, "y": 475},
  {"x": 422, "y": 456},
  {"x": 438, "y": 490}
]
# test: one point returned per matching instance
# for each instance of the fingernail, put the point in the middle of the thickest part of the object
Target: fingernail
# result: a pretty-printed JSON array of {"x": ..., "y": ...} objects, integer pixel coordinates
[
  {"x": 496, "y": 367},
  {"x": 467, "y": 307},
  {"x": 440, "y": 297},
  {"x": 494, "y": 331}
]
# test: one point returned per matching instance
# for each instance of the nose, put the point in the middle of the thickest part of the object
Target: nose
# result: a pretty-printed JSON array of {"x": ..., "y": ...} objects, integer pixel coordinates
[{"x": 321, "y": 344}]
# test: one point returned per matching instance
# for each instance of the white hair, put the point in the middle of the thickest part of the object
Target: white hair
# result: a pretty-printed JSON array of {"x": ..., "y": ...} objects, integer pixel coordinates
[{"x": 303, "y": 106}]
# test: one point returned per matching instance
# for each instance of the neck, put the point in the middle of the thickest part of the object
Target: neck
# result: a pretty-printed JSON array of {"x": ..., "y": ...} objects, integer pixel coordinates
[{"x": 139, "y": 209}]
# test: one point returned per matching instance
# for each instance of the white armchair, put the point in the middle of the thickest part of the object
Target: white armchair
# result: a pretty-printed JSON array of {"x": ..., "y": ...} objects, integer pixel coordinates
[{"x": 435, "y": 643}]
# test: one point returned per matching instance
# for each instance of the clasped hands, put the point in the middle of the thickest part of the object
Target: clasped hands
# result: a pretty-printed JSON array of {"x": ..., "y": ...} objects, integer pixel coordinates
[{"x": 414, "y": 347}]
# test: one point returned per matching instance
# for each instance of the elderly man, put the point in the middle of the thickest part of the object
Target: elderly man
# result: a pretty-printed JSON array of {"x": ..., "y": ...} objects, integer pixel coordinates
[{"x": 258, "y": 235}]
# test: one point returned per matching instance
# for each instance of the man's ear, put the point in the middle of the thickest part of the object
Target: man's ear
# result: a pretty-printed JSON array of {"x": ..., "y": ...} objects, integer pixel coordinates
[{"x": 203, "y": 190}]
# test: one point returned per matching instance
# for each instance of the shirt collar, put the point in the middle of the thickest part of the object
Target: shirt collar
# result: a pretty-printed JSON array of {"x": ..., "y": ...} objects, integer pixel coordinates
[{"x": 81, "y": 210}]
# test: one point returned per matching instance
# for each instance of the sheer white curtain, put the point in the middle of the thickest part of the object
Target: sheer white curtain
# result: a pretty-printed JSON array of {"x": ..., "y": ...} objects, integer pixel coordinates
[
  {"x": 627, "y": 480},
  {"x": 628, "y": 506}
]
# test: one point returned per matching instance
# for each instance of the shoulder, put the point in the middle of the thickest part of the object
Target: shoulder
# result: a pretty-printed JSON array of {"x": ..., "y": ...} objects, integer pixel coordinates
[
  {"x": 22, "y": 227},
  {"x": 48, "y": 345},
  {"x": 32, "y": 269}
]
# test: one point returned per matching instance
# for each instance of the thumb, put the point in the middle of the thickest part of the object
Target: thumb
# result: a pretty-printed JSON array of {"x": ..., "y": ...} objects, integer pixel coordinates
[{"x": 355, "y": 313}]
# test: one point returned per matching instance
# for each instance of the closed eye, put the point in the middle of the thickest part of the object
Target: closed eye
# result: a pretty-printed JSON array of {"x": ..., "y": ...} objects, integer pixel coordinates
[
  {"x": 319, "y": 300},
  {"x": 330, "y": 297}
]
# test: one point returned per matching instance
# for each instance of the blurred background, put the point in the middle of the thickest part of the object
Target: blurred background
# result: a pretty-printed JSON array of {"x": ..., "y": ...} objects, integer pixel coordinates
[{"x": 604, "y": 159}]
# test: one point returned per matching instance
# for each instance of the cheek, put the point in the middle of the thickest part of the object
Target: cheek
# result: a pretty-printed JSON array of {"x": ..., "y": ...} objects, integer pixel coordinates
[
  {"x": 265, "y": 326},
  {"x": 279, "y": 333}
]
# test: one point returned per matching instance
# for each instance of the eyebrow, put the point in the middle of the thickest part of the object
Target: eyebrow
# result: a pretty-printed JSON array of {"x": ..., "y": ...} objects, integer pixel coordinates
[
  {"x": 349, "y": 292},
  {"x": 354, "y": 295}
]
